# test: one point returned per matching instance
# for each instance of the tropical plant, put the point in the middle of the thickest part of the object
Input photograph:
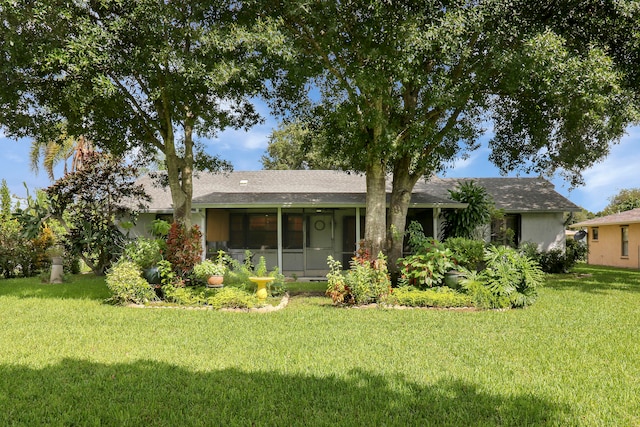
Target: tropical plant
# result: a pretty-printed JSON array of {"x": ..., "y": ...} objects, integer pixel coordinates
[
  {"x": 512, "y": 274},
  {"x": 463, "y": 222},
  {"x": 428, "y": 266},
  {"x": 184, "y": 248},
  {"x": 337, "y": 287},
  {"x": 126, "y": 284}
]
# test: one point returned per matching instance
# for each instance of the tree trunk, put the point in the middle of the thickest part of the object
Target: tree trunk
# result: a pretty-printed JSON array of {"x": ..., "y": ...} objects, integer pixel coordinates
[
  {"x": 180, "y": 181},
  {"x": 375, "y": 220},
  {"x": 402, "y": 188}
]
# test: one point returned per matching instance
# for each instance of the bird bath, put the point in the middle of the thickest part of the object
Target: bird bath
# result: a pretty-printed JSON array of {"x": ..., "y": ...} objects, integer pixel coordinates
[{"x": 262, "y": 286}]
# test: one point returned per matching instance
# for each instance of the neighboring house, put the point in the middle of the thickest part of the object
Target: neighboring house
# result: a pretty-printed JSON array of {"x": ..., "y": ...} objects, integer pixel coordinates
[
  {"x": 613, "y": 240},
  {"x": 297, "y": 218}
]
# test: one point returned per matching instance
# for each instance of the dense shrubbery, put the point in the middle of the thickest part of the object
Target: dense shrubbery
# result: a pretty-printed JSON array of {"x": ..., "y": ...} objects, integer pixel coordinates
[
  {"x": 556, "y": 260},
  {"x": 180, "y": 285}
]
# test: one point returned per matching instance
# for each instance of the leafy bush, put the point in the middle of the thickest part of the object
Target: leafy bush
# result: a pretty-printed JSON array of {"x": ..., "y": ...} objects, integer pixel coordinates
[
  {"x": 365, "y": 282},
  {"x": 468, "y": 253},
  {"x": 144, "y": 251},
  {"x": 437, "y": 297},
  {"x": 512, "y": 274},
  {"x": 127, "y": 285},
  {"x": 207, "y": 268},
  {"x": 428, "y": 267},
  {"x": 184, "y": 248},
  {"x": 481, "y": 295},
  {"x": 556, "y": 261}
]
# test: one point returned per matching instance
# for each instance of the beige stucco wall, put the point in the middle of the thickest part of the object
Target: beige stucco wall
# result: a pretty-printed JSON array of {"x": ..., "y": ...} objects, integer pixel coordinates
[
  {"x": 545, "y": 229},
  {"x": 607, "y": 250}
]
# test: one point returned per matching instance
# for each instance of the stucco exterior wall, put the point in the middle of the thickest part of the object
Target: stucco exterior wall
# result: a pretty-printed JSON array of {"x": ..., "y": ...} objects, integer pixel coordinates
[
  {"x": 545, "y": 229},
  {"x": 607, "y": 250}
]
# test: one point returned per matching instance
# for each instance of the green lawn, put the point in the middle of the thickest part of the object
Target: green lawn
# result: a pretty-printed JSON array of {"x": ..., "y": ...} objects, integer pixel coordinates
[{"x": 573, "y": 358}]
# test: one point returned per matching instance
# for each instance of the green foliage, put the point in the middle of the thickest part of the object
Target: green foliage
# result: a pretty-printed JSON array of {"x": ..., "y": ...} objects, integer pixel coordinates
[
  {"x": 556, "y": 260},
  {"x": 127, "y": 286},
  {"x": 5, "y": 200},
  {"x": 184, "y": 248},
  {"x": 207, "y": 268},
  {"x": 365, "y": 282},
  {"x": 427, "y": 267},
  {"x": 441, "y": 297},
  {"x": 90, "y": 202},
  {"x": 261, "y": 269},
  {"x": 337, "y": 287},
  {"x": 144, "y": 251},
  {"x": 625, "y": 200},
  {"x": 512, "y": 274},
  {"x": 468, "y": 253},
  {"x": 482, "y": 296},
  {"x": 464, "y": 222},
  {"x": 228, "y": 297}
]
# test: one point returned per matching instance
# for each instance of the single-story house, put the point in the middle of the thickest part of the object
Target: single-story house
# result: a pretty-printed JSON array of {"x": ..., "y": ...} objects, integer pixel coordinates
[
  {"x": 297, "y": 218},
  {"x": 613, "y": 240}
]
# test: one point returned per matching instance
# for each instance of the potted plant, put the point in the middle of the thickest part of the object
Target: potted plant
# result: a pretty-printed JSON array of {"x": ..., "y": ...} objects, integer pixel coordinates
[{"x": 210, "y": 272}]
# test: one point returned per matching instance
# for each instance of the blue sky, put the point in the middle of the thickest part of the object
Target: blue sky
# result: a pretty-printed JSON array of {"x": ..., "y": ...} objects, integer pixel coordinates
[{"x": 621, "y": 169}]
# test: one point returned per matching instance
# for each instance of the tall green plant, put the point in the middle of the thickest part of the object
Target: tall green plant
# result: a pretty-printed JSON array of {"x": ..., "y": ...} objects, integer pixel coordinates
[
  {"x": 512, "y": 274},
  {"x": 463, "y": 222}
]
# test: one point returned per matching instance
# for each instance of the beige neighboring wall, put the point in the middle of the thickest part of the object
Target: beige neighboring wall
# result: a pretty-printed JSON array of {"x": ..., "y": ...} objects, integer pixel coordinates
[{"x": 607, "y": 250}]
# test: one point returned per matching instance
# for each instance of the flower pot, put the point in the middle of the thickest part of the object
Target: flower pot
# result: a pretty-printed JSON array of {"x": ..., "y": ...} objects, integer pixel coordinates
[
  {"x": 215, "y": 281},
  {"x": 152, "y": 275}
]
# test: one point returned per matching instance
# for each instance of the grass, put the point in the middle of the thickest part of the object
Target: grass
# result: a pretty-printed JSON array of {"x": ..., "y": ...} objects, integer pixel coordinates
[{"x": 573, "y": 358}]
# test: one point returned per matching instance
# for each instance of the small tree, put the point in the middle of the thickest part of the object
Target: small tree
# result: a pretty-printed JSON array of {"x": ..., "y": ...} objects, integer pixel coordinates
[{"x": 90, "y": 202}]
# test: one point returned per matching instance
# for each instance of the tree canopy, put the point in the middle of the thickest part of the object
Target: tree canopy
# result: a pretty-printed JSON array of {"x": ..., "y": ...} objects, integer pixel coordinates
[
  {"x": 131, "y": 75},
  {"x": 406, "y": 89},
  {"x": 625, "y": 200}
]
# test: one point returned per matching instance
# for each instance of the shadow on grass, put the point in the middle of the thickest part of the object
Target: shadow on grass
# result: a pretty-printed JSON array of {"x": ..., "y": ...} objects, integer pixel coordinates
[
  {"x": 597, "y": 279},
  {"x": 82, "y": 286},
  {"x": 76, "y": 392}
]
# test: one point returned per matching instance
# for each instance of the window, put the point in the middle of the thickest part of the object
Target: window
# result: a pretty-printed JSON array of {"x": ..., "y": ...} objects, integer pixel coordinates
[
  {"x": 253, "y": 231},
  {"x": 625, "y": 240},
  {"x": 594, "y": 233},
  {"x": 506, "y": 230},
  {"x": 292, "y": 236}
]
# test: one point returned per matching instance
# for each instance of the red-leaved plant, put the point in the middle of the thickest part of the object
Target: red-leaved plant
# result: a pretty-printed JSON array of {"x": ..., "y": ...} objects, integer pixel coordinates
[{"x": 184, "y": 248}]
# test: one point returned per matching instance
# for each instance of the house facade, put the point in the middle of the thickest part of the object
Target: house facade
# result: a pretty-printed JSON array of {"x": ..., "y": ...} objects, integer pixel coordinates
[
  {"x": 296, "y": 219},
  {"x": 613, "y": 240}
]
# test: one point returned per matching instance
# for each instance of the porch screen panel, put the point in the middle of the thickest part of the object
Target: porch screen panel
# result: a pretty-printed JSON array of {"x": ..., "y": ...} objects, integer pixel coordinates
[
  {"x": 253, "y": 231},
  {"x": 292, "y": 233}
]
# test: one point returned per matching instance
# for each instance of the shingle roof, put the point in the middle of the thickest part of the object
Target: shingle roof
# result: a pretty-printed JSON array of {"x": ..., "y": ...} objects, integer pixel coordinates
[
  {"x": 335, "y": 188},
  {"x": 626, "y": 217}
]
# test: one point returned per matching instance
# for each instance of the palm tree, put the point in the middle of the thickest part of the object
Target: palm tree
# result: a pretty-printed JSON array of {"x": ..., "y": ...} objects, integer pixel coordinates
[{"x": 61, "y": 149}]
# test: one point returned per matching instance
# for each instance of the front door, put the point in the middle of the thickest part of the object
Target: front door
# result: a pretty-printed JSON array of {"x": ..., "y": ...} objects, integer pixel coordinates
[{"x": 319, "y": 243}]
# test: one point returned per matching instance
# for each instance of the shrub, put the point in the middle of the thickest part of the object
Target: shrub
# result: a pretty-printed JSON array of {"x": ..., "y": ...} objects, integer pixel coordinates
[
  {"x": 144, "y": 251},
  {"x": 365, "y": 282},
  {"x": 184, "y": 248},
  {"x": 437, "y": 297},
  {"x": 207, "y": 268},
  {"x": 232, "y": 298},
  {"x": 512, "y": 274},
  {"x": 427, "y": 268},
  {"x": 127, "y": 285},
  {"x": 556, "y": 261},
  {"x": 468, "y": 253},
  {"x": 476, "y": 287}
]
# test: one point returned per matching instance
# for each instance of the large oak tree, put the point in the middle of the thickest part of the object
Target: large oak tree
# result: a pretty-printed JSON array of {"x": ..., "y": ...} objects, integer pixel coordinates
[{"x": 406, "y": 88}]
